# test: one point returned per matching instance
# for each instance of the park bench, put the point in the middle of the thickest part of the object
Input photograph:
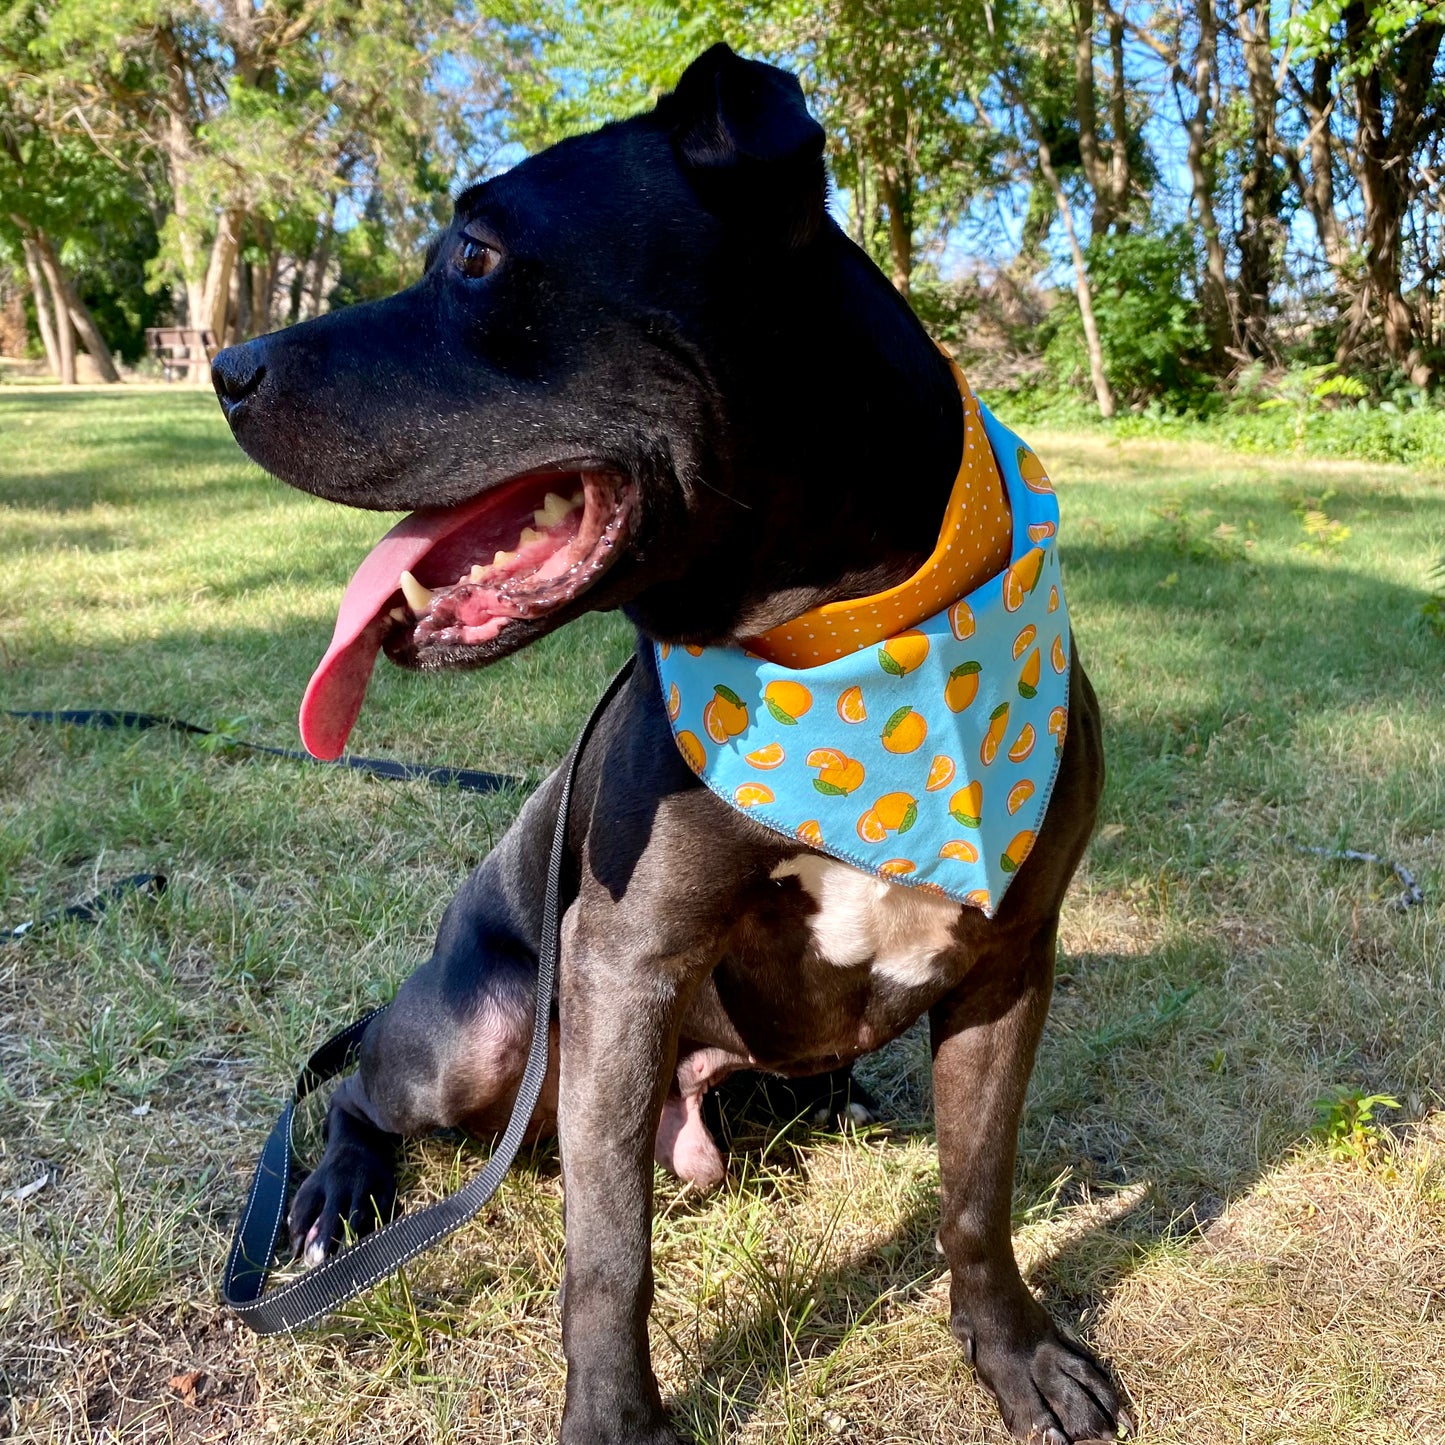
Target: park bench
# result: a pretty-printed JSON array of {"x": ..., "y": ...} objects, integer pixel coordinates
[{"x": 184, "y": 352}]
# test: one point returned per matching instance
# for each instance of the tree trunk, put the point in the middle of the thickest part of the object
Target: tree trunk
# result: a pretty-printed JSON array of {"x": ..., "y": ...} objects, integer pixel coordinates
[
  {"x": 216, "y": 298},
  {"x": 1103, "y": 392},
  {"x": 42, "y": 306},
  {"x": 78, "y": 311},
  {"x": 1218, "y": 318},
  {"x": 1118, "y": 121},
  {"x": 1086, "y": 110},
  {"x": 900, "y": 230},
  {"x": 64, "y": 327},
  {"x": 320, "y": 261},
  {"x": 1318, "y": 192},
  {"x": 1259, "y": 186},
  {"x": 1389, "y": 181},
  {"x": 297, "y": 288}
]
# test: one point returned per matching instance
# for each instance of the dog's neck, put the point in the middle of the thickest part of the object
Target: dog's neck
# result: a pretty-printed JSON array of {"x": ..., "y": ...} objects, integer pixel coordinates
[{"x": 843, "y": 443}]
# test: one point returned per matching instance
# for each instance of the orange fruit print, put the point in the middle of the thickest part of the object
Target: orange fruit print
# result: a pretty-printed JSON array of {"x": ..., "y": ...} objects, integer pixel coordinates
[
  {"x": 962, "y": 686},
  {"x": 1023, "y": 745},
  {"x": 1029, "y": 677},
  {"x": 1019, "y": 794},
  {"x": 850, "y": 706},
  {"x": 725, "y": 716},
  {"x": 905, "y": 731},
  {"x": 840, "y": 774},
  {"x": 902, "y": 654},
  {"x": 940, "y": 773},
  {"x": 787, "y": 701},
  {"x": 892, "y": 813},
  {"x": 966, "y": 805},
  {"x": 1022, "y": 578},
  {"x": 997, "y": 723}
]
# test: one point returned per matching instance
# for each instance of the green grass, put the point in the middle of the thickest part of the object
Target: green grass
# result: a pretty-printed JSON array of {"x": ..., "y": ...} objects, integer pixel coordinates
[{"x": 1265, "y": 684}]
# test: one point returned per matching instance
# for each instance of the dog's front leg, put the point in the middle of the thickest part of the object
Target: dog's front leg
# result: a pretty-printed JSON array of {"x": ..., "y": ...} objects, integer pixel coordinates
[
  {"x": 621, "y": 1007},
  {"x": 1048, "y": 1386}
]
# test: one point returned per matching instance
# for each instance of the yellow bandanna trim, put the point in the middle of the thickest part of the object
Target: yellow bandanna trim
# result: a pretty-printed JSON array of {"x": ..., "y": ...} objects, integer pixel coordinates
[{"x": 972, "y": 547}]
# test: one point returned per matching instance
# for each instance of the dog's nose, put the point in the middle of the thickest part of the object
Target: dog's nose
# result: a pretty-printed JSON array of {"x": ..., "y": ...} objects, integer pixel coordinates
[{"x": 236, "y": 373}]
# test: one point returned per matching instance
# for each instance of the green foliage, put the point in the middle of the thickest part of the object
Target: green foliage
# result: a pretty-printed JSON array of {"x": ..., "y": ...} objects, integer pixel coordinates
[
  {"x": 1347, "y": 1123},
  {"x": 1192, "y": 532},
  {"x": 1306, "y": 390},
  {"x": 1323, "y": 535},
  {"x": 898, "y": 88},
  {"x": 1432, "y": 609},
  {"x": 1150, "y": 326}
]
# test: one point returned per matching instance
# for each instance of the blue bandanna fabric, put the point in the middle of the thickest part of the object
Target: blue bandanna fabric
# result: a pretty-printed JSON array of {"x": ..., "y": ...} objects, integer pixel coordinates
[{"x": 927, "y": 758}]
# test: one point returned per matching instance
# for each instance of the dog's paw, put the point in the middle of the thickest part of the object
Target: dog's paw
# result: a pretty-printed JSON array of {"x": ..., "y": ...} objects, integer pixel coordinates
[
  {"x": 1052, "y": 1391},
  {"x": 349, "y": 1193}
]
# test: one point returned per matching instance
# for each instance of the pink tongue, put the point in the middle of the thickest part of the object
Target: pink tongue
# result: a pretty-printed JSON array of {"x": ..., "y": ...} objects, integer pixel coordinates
[{"x": 338, "y": 686}]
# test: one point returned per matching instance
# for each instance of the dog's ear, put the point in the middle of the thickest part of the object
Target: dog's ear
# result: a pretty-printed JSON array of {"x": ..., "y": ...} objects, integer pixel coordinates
[{"x": 743, "y": 133}]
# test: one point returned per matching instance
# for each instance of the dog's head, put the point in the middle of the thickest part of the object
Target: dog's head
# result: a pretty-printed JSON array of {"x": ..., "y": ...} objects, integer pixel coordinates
[{"x": 585, "y": 400}]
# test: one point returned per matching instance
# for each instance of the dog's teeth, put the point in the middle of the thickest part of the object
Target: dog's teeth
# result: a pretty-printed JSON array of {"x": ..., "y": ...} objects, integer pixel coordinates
[
  {"x": 576, "y": 501},
  {"x": 399, "y": 614},
  {"x": 478, "y": 572},
  {"x": 528, "y": 535},
  {"x": 503, "y": 558},
  {"x": 552, "y": 510},
  {"x": 418, "y": 598}
]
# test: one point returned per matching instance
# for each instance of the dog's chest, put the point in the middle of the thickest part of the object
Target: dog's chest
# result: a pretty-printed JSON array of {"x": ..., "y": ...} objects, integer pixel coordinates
[{"x": 903, "y": 934}]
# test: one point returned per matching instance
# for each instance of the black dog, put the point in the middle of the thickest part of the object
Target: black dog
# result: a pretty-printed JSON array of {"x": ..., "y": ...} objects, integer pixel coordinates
[{"x": 722, "y": 415}]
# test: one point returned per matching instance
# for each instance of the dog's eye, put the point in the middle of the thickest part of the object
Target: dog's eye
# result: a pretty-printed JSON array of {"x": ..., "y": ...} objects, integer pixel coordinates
[{"x": 473, "y": 257}]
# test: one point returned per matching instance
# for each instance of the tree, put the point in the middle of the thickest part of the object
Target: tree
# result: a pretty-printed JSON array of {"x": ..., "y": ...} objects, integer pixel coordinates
[
  {"x": 897, "y": 84},
  {"x": 51, "y": 189},
  {"x": 1386, "y": 56},
  {"x": 257, "y": 115}
]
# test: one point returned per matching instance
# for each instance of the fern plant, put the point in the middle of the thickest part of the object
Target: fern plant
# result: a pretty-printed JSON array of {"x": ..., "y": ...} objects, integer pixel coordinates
[{"x": 1306, "y": 389}]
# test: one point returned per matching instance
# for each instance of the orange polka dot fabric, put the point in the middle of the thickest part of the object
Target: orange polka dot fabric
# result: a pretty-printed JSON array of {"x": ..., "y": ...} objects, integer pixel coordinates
[
  {"x": 926, "y": 755},
  {"x": 973, "y": 546}
]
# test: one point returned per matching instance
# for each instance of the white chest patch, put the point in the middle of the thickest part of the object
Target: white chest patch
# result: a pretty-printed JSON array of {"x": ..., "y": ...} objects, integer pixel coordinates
[{"x": 862, "y": 919}]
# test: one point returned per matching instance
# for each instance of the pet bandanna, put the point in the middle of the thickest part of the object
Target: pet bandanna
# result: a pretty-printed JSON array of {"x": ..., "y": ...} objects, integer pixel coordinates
[{"x": 926, "y": 754}]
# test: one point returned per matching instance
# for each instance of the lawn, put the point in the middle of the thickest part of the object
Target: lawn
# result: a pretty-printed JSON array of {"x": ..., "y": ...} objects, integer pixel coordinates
[{"x": 1253, "y": 626}]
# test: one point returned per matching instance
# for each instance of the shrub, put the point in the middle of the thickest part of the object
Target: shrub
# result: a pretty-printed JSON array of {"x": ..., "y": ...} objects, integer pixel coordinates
[{"x": 1149, "y": 325}]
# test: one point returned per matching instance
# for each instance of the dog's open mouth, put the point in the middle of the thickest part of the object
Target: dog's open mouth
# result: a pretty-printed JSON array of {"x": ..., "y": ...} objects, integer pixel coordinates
[{"x": 446, "y": 585}]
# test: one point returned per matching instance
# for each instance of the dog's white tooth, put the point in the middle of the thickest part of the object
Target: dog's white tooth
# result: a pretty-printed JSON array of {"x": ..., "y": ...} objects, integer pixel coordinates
[
  {"x": 578, "y": 499},
  {"x": 555, "y": 508},
  {"x": 502, "y": 558},
  {"x": 528, "y": 535},
  {"x": 399, "y": 614},
  {"x": 477, "y": 573},
  {"x": 418, "y": 598}
]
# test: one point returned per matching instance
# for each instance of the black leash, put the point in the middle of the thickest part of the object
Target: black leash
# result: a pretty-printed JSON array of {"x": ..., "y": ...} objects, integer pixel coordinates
[
  {"x": 377, "y": 1255},
  {"x": 471, "y": 780},
  {"x": 90, "y": 909}
]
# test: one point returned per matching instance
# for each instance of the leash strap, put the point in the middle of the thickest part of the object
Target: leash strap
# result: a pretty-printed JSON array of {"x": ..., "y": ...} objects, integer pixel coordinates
[
  {"x": 90, "y": 909},
  {"x": 372, "y": 1258},
  {"x": 470, "y": 780}
]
